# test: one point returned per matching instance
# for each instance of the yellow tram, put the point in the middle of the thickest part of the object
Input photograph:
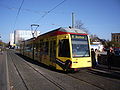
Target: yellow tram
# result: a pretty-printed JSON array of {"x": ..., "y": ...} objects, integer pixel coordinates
[{"x": 64, "y": 49}]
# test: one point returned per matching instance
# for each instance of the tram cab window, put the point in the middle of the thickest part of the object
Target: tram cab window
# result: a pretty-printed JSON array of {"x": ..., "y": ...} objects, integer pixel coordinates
[
  {"x": 80, "y": 46},
  {"x": 64, "y": 48}
]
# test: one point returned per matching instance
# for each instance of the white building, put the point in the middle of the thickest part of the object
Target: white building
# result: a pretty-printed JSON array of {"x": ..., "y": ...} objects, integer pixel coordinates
[
  {"x": 12, "y": 39},
  {"x": 20, "y": 35},
  {"x": 98, "y": 46}
]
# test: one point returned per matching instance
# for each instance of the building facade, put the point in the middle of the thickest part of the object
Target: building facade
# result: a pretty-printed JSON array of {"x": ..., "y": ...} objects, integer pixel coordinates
[
  {"x": 20, "y": 35},
  {"x": 12, "y": 39},
  {"x": 115, "y": 37}
]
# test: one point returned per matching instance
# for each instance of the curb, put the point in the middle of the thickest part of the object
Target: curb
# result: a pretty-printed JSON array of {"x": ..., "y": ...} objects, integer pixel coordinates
[{"x": 109, "y": 73}]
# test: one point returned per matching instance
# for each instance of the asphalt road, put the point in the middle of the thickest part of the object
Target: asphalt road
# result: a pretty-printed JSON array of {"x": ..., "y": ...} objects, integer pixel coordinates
[{"x": 25, "y": 74}]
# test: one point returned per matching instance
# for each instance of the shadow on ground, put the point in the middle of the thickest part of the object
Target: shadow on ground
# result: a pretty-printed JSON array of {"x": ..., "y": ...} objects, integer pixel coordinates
[{"x": 40, "y": 64}]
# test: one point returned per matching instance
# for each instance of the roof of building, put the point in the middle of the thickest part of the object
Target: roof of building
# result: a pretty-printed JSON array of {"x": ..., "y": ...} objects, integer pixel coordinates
[{"x": 115, "y": 33}]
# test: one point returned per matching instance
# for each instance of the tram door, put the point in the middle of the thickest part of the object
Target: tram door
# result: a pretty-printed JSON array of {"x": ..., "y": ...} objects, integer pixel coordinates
[{"x": 53, "y": 53}]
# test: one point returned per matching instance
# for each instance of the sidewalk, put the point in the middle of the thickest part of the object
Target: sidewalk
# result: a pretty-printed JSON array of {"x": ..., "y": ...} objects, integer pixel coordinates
[
  {"x": 105, "y": 67},
  {"x": 114, "y": 72}
]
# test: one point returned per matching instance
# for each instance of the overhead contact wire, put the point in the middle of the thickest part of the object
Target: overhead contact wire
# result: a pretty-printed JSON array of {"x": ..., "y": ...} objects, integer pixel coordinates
[
  {"x": 51, "y": 10},
  {"x": 18, "y": 14}
]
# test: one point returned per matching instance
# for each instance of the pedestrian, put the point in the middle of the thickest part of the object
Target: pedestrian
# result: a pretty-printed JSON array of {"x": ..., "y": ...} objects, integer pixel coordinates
[
  {"x": 93, "y": 58},
  {"x": 1, "y": 51},
  {"x": 110, "y": 54},
  {"x": 96, "y": 56}
]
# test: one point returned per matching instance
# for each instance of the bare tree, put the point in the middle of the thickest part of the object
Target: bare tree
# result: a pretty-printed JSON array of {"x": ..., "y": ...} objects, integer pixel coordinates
[{"x": 80, "y": 25}]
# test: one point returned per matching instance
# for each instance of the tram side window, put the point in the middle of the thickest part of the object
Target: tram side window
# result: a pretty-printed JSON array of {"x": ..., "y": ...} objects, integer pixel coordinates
[
  {"x": 36, "y": 48},
  {"x": 41, "y": 48},
  {"x": 46, "y": 47},
  {"x": 28, "y": 47},
  {"x": 52, "y": 50},
  {"x": 64, "y": 48}
]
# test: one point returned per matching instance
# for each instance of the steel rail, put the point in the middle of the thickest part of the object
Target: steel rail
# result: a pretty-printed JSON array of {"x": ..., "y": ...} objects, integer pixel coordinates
[
  {"x": 11, "y": 57},
  {"x": 46, "y": 77},
  {"x": 86, "y": 82}
]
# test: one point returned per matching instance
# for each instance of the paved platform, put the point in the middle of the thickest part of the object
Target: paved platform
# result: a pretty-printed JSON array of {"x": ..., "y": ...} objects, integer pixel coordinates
[
  {"x": 4, "y": 77},
  {"x": 103, "y": 69}
]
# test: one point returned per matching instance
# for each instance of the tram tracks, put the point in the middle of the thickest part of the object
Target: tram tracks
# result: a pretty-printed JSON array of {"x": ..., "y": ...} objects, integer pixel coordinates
[
  {"x": 53, "y": 80},
  {"x": 36, "y": 70},
  {"x": 18, "y": 72},
  {"x": 75, "y": 77},
  {"x": 46, "y": 77},
  {"x": 95, "y": 79}
]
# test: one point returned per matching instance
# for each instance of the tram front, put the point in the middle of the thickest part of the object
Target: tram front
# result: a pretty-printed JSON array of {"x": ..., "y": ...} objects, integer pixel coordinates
[{"x": 81, "y": 57}]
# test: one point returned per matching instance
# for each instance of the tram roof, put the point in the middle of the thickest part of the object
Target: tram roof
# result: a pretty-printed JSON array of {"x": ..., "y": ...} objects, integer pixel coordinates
[
  {"x": 72, "y": 30},
  {"x": 62, "y": 30}
]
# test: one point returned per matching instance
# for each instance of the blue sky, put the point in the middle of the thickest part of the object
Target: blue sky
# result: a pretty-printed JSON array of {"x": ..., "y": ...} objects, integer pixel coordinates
[{"x": 100, "y": 17}]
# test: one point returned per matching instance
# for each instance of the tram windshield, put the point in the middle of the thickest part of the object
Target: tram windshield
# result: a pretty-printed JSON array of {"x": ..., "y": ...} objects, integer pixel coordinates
[{"x": 80, "y": 46}]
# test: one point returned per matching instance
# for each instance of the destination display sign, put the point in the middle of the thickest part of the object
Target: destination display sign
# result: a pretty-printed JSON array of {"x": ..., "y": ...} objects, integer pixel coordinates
[{"x": 73, "y": 36}]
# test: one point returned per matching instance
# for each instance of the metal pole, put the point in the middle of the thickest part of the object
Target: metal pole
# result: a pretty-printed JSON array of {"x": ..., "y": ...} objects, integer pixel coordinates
[
  {"x": 33, "y": 34},
  {"x": 73, "y": 20},
  {"x": 34, "y": 31}
]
